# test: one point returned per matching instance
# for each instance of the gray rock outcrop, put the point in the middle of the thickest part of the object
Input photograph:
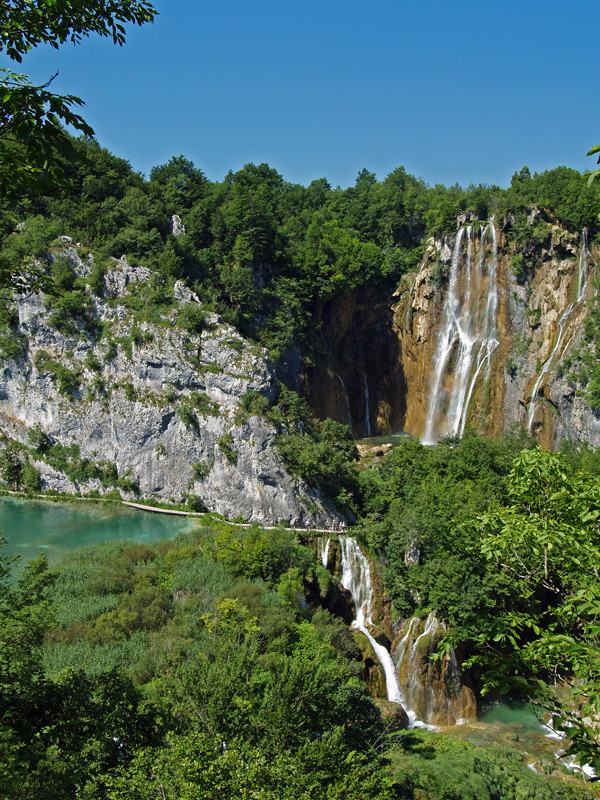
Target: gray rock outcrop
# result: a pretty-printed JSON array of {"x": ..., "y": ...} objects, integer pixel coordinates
[{"x": 157, "y": 403}]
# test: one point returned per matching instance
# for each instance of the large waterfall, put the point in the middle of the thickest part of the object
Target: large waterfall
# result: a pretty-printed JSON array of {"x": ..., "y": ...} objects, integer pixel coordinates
[{"x": 468, "y": 332}]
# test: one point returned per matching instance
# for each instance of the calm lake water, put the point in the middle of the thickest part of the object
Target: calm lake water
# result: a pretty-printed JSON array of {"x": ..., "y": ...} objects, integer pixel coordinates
[{"x": 54, "y": 528}]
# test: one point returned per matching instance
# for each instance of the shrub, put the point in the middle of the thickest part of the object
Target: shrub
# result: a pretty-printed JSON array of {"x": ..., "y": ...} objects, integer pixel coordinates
[
  {"x": 12, "y": 345},
  {"x": 201, "y": 469},
  {"x": 191, "y": 318},
  {"x": 225, "y": 444}
]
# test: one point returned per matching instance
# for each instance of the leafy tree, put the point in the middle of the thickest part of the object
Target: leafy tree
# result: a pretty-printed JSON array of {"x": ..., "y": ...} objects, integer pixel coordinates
[
  {"x": 543, "y": 628},
  {"x": 178, "y": 183},
  {"x": 33, "y": 143}
]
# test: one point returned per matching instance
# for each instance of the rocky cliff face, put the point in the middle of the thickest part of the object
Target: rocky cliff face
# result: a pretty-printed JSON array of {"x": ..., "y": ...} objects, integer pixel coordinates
[
  {"x": 150, "y": 403},
  {"x": 477, "y": 337},
  {"x": 355, "y": 372}
]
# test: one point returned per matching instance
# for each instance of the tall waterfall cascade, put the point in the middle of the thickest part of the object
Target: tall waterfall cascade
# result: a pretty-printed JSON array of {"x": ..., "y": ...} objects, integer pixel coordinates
[{"x": 468, "y": 333}]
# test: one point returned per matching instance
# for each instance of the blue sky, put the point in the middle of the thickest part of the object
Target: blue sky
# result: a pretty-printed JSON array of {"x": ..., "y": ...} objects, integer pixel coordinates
[{"x": 456, "y": 92}]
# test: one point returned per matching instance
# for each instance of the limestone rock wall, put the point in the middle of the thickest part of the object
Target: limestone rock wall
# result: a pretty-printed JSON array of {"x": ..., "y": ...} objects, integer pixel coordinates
[
  {"x": 353, "y": 372},
  {"x": 127, "y": 409}
]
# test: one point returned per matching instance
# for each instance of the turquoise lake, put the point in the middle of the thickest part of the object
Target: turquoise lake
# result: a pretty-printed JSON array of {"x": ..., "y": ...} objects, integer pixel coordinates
[{"x": 31, "y": 526}]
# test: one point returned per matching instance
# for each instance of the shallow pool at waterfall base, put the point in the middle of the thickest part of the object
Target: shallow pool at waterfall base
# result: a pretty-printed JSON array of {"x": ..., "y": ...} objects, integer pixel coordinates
[
  {"x": 388, "y": 438},
  {"x": 31, "y": 526},
  {"x": 513, "y": 724},
  {"x": 513, "y": 713}
]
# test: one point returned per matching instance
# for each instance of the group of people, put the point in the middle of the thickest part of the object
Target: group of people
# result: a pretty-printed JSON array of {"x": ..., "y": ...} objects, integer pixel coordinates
[{"x": 335, "y": 525}]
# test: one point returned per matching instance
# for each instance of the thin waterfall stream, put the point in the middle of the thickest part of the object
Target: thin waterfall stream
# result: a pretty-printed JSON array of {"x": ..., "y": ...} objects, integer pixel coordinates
[
  {"x": 582, "y": 276},
  {"x": 324, "y": 550},
  {"x": 546, "y": 367},
  {"x": 582, "y": 283},
  {"x": 347, "y": 399},
  {"x": 367, "y": 411}
]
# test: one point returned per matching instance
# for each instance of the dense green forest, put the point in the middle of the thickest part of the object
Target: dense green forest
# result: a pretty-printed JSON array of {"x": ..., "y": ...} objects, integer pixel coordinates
[
  {"x": 213, "y": 663},
  {"x": 195, "y": 667},
  {"x": 262, "y": 251}
]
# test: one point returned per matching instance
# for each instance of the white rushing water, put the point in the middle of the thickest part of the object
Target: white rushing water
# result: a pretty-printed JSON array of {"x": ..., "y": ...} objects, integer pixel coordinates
[
  {"x": 547, "y": 364},
  {"x": 324, "y": 550},
  {"x": 582, "y": 276},
  {"x": 445, "y": 342},
  {"x": 468, "y": 333},
  {"x": 356, "y": 577},
  {"x": 367, "y": 414}
]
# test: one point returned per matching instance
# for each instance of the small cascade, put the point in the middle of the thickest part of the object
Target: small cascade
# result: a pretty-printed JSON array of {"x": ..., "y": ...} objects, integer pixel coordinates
[
  {"x": 356, "y": 577},
  {"x": 428, "y": 690},
  {"x": 433, "y": 689},
  {"x": 582, "y": 277},
  {"x": 547, "y": 364},
  {"x": 367, "y": 408},
  {"x": 347, "y": 399},
  {"x": 324, "y": 550},
  {"x": 468, "y": 333}
]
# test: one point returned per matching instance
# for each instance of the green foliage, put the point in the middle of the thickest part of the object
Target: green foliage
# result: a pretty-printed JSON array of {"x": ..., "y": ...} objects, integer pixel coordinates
[
  {"x": 429, "y": 765},
  {"x": 252, "y": 404},
  {"x": 543, "y": 548},
  {"x": 186, "y": 414},
  {"x": 68, "y": 380},
  {"x": 323, "y": 456},
  {"x": 264, "y": 253},
  {"x": 191, "y": 318},
  {"x": 10, "y": 464},
  {"x": 201, "y": 469},
  {"x": 414, "y": 506},
  {"x": 34, "y": 146},
  {"x": 225, "y": 445},
  {"x": 95, "y": 279}
]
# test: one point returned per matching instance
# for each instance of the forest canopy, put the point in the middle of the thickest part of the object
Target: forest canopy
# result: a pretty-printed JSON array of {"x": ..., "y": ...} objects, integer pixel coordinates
[{"x": 262, "y": 251}]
